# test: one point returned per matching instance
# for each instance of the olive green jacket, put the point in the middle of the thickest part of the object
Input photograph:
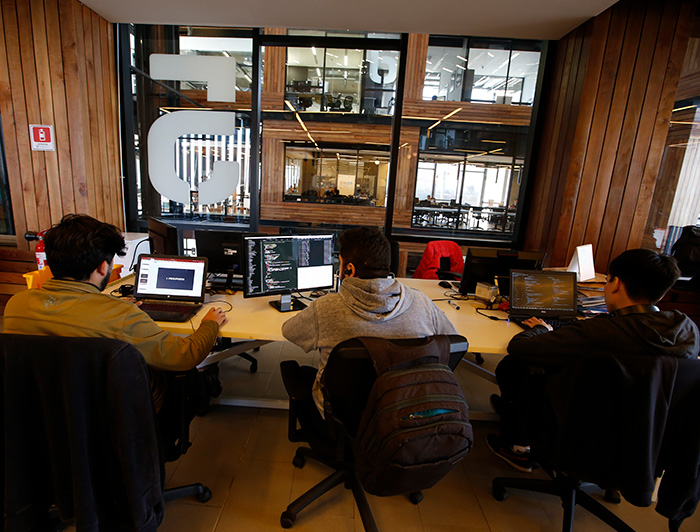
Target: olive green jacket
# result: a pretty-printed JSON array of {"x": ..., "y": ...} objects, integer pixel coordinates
[{"x": 73, "y": 308}]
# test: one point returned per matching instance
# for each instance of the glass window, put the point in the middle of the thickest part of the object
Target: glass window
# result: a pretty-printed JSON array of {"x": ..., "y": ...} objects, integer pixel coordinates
[
  {"x": 341, "y": 80},
  {"x": 194, "y": 159},
  {"x": 481, "y": 70},
  {"x": 240, "y": 49},
  {"x": 325, "y": 174},
  {"x": 468, "y": 179},
  {"x": 193, "y": 155}
]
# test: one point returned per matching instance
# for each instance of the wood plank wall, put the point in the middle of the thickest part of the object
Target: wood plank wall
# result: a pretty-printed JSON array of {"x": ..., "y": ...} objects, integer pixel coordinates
[
  {"x": 606, "y": 120},
  {"x": 57, "y": 67}
]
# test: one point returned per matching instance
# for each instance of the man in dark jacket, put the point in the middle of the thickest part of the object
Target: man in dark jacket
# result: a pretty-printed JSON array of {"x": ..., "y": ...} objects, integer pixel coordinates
[{"x": 636, "y": 280}]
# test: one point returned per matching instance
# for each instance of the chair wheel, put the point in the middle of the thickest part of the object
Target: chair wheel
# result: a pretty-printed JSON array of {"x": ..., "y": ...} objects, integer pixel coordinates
[
  {"x": 205, "y": 496},
  {"x": 415, "y": 497},
  {"x": 254, "y": 367},
  {"x": 298, "y": 461},
  {"x": 479, "y": 358},
  {"x": 287, "y": 519},
  {"x": 256, "y": 349},
  {"x": 499, "y": 493}
]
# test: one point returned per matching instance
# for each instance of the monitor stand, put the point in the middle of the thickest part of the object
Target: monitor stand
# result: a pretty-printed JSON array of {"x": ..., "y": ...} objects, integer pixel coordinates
[{"x": 287, "y": 304}]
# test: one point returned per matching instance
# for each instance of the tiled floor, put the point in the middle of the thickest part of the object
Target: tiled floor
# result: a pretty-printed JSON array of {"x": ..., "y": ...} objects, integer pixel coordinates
[{"x": 244, "y": 456}]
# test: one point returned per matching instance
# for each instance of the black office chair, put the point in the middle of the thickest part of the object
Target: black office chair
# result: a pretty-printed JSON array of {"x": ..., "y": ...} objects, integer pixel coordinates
[
  {"x": 618, "y": 422},
  {"x": 80, "y": 434},
  {"x": 350, "y": 374}
]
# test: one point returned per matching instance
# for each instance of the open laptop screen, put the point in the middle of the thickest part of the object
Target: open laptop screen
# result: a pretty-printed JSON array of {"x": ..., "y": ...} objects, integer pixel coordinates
[
  {"x": 168, "y": 277},
  {"x": 543, "y": 294}
]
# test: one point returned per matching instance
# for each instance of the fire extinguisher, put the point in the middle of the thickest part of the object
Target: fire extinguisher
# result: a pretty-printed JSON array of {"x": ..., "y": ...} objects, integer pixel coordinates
[{"x": 39, "y": 248}]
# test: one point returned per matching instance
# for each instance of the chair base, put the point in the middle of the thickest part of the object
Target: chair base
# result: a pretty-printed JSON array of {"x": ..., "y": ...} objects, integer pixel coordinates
[
  {"x": 201, "y": 492},
  {"x": 570, "y": 493},
  {"x": 343, "y": 474}
]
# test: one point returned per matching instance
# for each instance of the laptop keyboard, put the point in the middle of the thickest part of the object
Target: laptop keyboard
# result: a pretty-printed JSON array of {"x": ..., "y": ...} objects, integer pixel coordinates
[
  {"x": 554, "y": 322},
  {"x": 169, "y": 311}
]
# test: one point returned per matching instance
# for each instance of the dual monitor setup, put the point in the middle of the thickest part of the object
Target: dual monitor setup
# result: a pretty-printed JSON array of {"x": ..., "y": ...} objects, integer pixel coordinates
[{"x": 256, "y": 263}]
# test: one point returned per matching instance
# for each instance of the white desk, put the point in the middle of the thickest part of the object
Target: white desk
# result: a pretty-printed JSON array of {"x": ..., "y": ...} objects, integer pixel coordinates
[{"x": 254, "y": 319}]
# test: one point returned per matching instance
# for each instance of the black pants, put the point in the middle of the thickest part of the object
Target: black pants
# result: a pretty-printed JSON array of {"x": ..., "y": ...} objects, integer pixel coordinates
[
  {"x": 185, "y": 395},
  {"x": 523, "y": 399}
]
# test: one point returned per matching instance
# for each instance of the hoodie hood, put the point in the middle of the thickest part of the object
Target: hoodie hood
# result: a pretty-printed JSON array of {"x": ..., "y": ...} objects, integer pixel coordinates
[
  {"x": 669, "y": 333},
  {"x": 375, "y": 299}
]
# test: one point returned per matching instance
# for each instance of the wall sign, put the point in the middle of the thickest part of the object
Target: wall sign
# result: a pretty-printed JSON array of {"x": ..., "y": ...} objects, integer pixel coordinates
[{"x": 41, "y": 137}]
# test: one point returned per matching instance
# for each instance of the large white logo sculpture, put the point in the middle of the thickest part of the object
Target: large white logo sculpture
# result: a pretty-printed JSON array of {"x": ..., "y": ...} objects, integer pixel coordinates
[{"x": 220, "y": 75}]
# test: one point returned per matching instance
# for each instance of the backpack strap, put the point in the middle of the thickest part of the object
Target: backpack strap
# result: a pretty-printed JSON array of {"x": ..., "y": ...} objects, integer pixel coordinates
[{"x": 386, "y": 355}]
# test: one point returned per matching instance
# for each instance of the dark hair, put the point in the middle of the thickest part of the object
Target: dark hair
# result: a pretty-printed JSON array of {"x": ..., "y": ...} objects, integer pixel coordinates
[
  {"x": 368, "y": 250},
  {"x": 78, "y": 244},
  {"x": 646, "y": 274}
]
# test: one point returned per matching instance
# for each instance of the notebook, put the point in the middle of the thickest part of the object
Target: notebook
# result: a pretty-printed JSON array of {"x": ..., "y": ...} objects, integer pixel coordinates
[
  {"x": 170, "y": 288},
  {"x": 550, "y": 295}
]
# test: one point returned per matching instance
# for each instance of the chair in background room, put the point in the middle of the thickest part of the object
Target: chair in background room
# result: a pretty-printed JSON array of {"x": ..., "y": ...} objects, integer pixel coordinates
[
  {"x": 442, "y": 259},
  {"x": 80, "y": 433},
  {"x": 350, "y": 375},
  {"x": 618, "y": 422}
]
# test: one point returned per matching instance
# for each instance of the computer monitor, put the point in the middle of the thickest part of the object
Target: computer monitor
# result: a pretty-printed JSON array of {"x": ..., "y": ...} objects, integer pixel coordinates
[
  {"x": 282, "y": 264},
  {"x": 224, "y": 251},
  {"x": 493, "y": 265},
  {"x": 163, "y": 237}
]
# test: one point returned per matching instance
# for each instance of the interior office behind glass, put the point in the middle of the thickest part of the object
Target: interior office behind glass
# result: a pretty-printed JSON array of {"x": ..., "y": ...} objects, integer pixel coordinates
[
  {"x": 341, "y": 80},
  {"x": 473, "y": 69}
]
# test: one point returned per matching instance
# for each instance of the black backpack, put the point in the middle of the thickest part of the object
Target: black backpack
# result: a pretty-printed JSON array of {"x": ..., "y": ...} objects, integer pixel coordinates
[{"x": 415, "y": 426}]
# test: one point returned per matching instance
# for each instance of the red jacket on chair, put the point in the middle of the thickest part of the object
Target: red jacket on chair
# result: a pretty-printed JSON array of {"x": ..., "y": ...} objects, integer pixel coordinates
[{"x": 430, "y": 261}]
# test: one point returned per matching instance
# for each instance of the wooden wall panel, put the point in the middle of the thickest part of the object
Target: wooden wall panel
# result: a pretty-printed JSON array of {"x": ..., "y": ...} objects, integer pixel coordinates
[
  {"x": 511, "y": 115},
  {"x": 57, "y": 67},
  {"x": 275, "y": 65},
  {"x": 597, "y": 184},
  {"x": 416, "y": 56}
]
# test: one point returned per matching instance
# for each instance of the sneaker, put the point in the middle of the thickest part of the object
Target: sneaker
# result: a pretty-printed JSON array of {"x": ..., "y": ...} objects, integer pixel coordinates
[{"x": 520, "y": 461}]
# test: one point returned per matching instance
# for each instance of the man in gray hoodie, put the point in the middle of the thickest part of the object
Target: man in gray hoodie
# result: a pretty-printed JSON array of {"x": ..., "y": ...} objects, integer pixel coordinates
[{"x": 368, "y": 303}]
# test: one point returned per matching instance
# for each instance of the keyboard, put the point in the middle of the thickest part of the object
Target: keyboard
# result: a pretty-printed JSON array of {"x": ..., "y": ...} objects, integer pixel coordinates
[
  {"x": 554, "y": 322},
  {"x": 169, "y": 311}
]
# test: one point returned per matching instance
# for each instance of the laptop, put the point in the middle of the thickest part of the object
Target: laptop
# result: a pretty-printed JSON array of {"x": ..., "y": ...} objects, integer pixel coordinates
[
  {"x": 170, "y": 288},
  {"x": 549, "y": 295}
]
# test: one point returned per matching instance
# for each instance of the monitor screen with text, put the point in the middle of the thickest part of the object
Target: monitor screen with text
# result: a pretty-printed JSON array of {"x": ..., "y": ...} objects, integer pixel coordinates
[{"x": 279, "y": 264}]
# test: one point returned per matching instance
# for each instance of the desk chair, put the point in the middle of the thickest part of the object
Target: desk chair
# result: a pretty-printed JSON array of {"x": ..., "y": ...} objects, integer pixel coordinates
[
  {"x": 618, "y": 422},
  {"x": 80, "y": 434},
  {"x": 350, "y": 374},
  {"x": 442, "y": 259}
]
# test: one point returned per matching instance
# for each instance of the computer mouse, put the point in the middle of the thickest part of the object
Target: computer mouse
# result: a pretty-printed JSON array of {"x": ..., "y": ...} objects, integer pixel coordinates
[{"x": 445, "y": 285}]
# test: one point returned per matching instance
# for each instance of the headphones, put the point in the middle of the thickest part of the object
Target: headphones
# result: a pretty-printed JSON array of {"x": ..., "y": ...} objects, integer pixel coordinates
[{"x": 347, "y": 271}]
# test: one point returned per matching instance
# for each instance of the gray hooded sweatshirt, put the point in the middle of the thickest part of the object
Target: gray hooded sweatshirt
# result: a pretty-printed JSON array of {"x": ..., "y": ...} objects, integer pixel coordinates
[{"x": 364, "y": 307}]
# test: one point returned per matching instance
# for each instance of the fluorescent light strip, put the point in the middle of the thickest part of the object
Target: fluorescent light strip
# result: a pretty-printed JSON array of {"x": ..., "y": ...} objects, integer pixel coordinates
[{"x": 684, "y": 108}]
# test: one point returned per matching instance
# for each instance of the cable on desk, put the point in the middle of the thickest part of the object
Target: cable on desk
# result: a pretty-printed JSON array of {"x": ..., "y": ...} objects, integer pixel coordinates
[
  {"x": 489, "y": 316},
  {"x": 216, "y": 301}
]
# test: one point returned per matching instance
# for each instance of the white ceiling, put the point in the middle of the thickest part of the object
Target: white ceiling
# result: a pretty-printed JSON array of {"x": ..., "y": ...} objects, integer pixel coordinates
[{"x": 533, "y": 19}]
